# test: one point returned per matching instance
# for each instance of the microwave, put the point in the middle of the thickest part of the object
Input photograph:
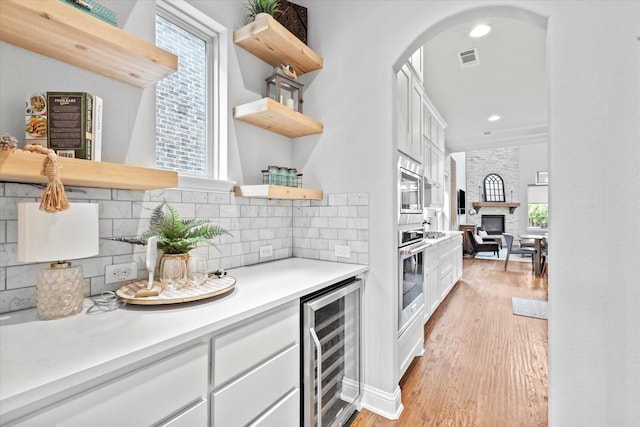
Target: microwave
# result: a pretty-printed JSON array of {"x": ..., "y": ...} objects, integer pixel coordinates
[{"x": 410, "y": 191}]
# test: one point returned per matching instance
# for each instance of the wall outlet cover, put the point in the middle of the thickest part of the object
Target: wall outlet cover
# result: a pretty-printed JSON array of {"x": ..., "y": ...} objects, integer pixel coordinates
[{"x": 120, "y": 272}]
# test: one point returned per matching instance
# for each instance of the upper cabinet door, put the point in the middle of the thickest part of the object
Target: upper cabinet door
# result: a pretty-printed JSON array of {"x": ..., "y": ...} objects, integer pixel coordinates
[
  {"x": 415, "y": 61},
  {"x": 416, "y": 120},
  {"x": 403, "y": 135}
]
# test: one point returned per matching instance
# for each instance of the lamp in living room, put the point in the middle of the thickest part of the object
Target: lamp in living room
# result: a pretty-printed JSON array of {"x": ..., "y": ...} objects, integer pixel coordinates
[{"x": 59, "y": 237}]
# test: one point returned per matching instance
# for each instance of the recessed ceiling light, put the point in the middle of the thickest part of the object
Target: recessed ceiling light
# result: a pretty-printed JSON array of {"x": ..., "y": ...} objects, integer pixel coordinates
[
  {"x": 480, "y": 30},
  {"x": 494, "y": 118}
]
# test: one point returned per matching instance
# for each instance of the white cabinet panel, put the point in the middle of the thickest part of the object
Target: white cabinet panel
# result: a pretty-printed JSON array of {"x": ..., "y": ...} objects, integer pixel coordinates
[
  {"x": 403, "y": 110},
  {"x": 195, "y": 416},
  {"x": 139, "y": 398},
  {"x": 285, "y": 413},
  {"x": 410, "y": 344},
  {"x": 242, "y": 348},
  {"x": 426, "y": 160},
  {"x": 246, "y": 398},
  {"x": 409, "y": 95},
  {"x": 415, "y": 148},
  {"x": 416, "y": 63}
]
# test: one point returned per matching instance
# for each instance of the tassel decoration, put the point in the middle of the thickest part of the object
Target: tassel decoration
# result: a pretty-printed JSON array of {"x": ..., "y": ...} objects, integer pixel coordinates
[{"x": 54, "y": 198}]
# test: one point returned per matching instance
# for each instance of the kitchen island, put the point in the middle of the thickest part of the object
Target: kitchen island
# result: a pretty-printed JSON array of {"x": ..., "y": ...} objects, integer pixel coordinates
[{"x": 45, "y": 365}]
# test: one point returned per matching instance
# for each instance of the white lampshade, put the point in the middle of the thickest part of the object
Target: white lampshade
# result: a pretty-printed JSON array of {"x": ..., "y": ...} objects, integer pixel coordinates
[
  {"x": 58, "y": 237},
  {"x": 70, "y": 234}
]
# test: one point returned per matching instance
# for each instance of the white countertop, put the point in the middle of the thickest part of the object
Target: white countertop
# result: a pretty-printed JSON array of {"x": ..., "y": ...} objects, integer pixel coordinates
[
  {"x": 447, "y": 235},
  {"x": 41, "y": 358}
]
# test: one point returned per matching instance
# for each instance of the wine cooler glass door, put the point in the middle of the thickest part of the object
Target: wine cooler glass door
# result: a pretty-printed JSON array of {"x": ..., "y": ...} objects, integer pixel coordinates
[{"x": 331, "y": 356}]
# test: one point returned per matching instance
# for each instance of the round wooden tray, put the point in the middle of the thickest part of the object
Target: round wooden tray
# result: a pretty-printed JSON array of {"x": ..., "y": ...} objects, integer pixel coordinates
[{"x": 213, "y": 286}]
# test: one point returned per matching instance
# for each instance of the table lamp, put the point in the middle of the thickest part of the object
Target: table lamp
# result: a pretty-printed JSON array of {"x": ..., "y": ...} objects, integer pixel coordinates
[{"x": 60, "y": 236}]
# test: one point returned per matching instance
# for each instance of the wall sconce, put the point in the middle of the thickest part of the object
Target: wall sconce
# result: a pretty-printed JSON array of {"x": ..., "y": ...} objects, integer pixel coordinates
[
  {"x": 60, "y": 236},
  {"x": 284, "y": 89}
]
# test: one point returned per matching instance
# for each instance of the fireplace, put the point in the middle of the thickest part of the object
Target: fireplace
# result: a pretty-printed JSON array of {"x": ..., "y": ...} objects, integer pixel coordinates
[{"x": 493, "y": 224}]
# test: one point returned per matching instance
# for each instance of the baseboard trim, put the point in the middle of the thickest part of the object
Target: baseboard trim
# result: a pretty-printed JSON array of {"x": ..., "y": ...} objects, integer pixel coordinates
[{"x": 388, "y": 405}]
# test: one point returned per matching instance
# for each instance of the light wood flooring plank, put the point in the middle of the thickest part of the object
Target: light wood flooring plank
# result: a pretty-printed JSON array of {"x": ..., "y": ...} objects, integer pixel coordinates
[{"x": 483, "y": 365}]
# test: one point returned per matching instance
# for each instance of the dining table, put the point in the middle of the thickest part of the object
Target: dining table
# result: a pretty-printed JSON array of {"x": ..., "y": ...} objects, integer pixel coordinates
[{"x": 537, "y": 258}]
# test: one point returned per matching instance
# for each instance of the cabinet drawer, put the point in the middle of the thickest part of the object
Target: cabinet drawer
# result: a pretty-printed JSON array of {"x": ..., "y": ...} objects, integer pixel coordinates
[
  {"x": 192, "y": 417},
  {"x": 139, "y": 398},
  {"x": 410, "y": 344},
  {"x": 242, "y": 348},
  {"x": 284, "y": 413},
  {"x": 256, "y": 392}
]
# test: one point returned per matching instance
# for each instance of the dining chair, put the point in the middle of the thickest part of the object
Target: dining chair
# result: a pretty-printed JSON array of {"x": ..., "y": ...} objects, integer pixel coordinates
[{"x": 508, "y": 238}]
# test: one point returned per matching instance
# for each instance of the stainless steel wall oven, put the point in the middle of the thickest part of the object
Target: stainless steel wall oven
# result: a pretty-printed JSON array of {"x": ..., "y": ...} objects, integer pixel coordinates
[
  {"x": 410, "y": 275},
  {"x": 330, "y": 358}
]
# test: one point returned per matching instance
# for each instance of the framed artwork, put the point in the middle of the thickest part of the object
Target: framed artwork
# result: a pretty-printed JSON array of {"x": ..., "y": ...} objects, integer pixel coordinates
[{"x": 542, "y": 178}]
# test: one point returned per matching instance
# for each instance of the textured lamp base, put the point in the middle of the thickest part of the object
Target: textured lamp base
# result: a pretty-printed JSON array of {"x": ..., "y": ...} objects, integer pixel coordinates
[{"x": 59, "y": 292}]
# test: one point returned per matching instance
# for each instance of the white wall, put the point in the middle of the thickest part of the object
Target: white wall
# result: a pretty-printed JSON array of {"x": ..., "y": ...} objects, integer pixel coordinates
[
  {"x": 593, "y": 78},
  {"x": 594, "y": 301}
]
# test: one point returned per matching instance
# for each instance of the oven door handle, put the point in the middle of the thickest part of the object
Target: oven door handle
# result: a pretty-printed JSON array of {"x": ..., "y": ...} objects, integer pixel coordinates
[
  {"x": 314, "y": 336},
  {"x": 411, "y": 250}
]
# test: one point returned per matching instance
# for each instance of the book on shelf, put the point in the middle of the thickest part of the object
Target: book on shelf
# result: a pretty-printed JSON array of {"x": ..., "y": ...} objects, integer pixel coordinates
[
  {"x": 70, "y": 124},
  {"x": 96, "y": 133},
  {"x": 35, "y": 125}
]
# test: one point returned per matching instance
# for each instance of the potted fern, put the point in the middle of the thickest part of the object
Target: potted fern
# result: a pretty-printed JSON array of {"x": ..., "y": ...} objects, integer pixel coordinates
[
  {"x": 176, "y": 236},
  {"x": 256, "y": 7}
]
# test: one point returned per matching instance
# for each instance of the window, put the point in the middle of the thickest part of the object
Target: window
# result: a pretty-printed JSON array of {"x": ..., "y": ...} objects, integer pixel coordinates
[
  {"x": 191, "y": 103},
  {"x": 493, "y": 188},
  {"x": 538, "y": 206}
]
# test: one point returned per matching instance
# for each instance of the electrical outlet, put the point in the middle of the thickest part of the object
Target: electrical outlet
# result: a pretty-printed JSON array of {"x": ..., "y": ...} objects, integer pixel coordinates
[
  {"x": 342, "y": 251},
  {"x": 266, "y": 251},
  {"x": 120, "y": 272}
]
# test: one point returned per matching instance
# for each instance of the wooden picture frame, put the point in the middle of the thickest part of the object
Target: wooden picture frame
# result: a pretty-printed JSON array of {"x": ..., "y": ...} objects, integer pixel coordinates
[{"x": 542, "y": 178}]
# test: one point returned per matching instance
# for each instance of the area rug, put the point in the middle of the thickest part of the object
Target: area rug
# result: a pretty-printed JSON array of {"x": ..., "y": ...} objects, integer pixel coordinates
[
  {"x": 502, "y": 255},
  {"x": 530, "y": 307}
]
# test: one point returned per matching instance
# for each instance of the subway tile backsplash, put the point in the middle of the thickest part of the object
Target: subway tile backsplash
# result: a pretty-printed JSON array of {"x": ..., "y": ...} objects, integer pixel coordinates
[{"x": 304, "y": 229}]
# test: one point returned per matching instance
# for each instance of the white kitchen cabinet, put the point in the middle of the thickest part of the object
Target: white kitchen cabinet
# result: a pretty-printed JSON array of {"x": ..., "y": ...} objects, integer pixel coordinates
[
  {"x": 152, "y": 394},
  {"x": 403, "y": 109},
  {"x": 409, "y": 113},
  {"x": 256, "y": 369},
  {"x": 443, "y": 269},
  {"x": 416, "y": 120},
  {"x": 256, "y": 392},
  {"x": 284, "y": 413},
  {"x": 410, "y": 344},
  {"x": 426, "y": 160},
  {"x": 416, "y": 63},
  {"x": 431, "y": 280},
  {"x": 245, "y": 347},
  {"x": 436, "y": 177},
  {"x": 426, "y": 121},
  {"x": 197, "y": 415},
  {"x": 446, "y": 267},
  {"x": 456, "y": 256}
]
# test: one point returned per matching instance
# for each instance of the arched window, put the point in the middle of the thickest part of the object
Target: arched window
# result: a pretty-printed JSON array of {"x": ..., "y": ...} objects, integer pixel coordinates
[{"x": 493, "y": 188}]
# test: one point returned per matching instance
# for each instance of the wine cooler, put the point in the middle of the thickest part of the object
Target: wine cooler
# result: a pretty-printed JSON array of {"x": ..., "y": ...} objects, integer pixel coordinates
[{"x": 331, "y": 355}]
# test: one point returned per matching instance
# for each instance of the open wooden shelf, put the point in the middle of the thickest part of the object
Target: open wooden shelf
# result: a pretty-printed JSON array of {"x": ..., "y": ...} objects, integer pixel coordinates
[
  {"x": 277, "y": 192},
  {"x": 27, "y": 167},
  {"x": 267, "y": 39},
  {"x": 275, "y": 117},
  {"x": 512, "y": 206},
  {"x": 57, "y": 30}
]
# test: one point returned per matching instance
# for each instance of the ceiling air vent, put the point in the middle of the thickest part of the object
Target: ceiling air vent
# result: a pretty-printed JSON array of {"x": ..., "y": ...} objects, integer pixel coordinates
[{"x": 469, "y": 57}]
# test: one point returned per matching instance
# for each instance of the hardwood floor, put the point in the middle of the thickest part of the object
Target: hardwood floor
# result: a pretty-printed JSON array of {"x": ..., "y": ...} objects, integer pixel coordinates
[{"x": 482, "y": 366}]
